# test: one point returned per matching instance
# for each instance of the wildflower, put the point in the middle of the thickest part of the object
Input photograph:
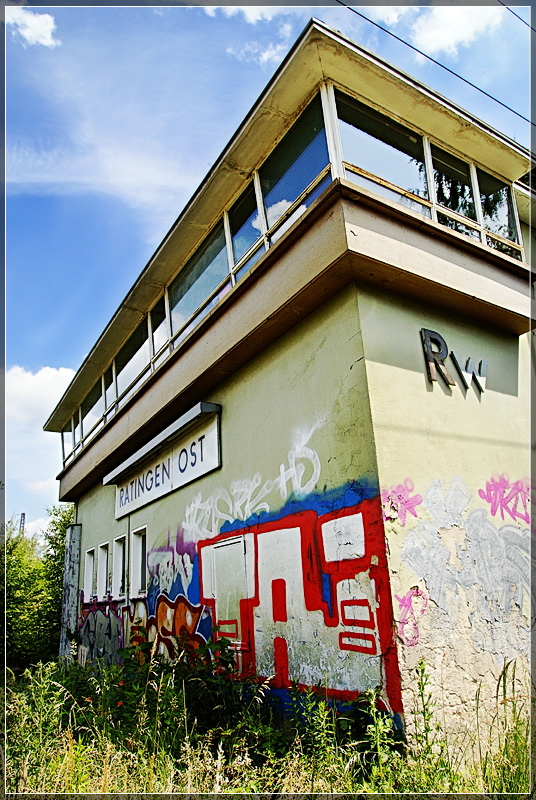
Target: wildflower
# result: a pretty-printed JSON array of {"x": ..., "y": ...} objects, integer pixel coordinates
[
  {"x": 120, "y": 683},
  {"x": 88, "y": 699},
  {"x": 120, "y": 703}
]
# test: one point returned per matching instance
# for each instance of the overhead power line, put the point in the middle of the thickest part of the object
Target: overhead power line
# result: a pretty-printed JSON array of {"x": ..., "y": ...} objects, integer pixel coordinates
[
  {"x": 517, "y": 15},
  {"x": 438, "y": 63}
]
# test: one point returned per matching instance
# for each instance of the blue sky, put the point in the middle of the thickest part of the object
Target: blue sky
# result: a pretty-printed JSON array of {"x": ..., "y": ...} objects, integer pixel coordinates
[{"x": 114, "y": 116}]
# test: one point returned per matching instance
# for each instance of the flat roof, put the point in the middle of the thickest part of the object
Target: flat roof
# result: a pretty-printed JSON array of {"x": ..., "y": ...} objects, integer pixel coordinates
[{"x": 319, "y": 54}]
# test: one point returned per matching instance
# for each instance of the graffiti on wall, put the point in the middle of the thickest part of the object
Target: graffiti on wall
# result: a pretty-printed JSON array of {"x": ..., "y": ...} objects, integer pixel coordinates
[
  {"x": 249, "y": 497},
  {"x": 507, "y": 498},
  {"x": 101, "y": 630},
  {"x": 305, "y": 597},
  {"x": 174, "y": 624},
  {"x": 397, "y": 501},
  {"x": 412, "y": 604},
  {"x": 460, "y": 553}
]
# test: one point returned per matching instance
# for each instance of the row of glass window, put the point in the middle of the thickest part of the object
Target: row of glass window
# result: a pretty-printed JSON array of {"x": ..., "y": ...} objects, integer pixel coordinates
[
  {"x": 385, "y": 156},
  {"x": 378, "y": 153},
  {"x": 102, "y": 589}
]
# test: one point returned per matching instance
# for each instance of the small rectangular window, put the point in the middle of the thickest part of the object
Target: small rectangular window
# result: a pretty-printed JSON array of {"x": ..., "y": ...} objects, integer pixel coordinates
[
  {"x": 109, "y": 388},
  {"x": 159, "y": 325},
  {"x": 139, "y": 562},
  {"x": 67, "y": 439},
  {"x": 89, "y": 570},
  {"x": 119, "y": 567},
  {"x": 77, "y": 428},
  {"x": 102, "y": 572},
  {"x": 457, "y": 225},
  {"x": 294, "y": 164},
  {"x": 92, "y": 409},
  {"x": 200, "y": 277},
  {"x": 497, "y": 206},
  {"x": 244, "y": 222},
  {"x": 381, "y": 146},
  {"x": 452, "y": 178},
  {"x": 133, "y": 357}
]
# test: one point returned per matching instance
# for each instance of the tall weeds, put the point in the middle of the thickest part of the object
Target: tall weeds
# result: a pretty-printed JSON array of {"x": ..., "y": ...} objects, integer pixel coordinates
[{"x": 192, "y": 726}]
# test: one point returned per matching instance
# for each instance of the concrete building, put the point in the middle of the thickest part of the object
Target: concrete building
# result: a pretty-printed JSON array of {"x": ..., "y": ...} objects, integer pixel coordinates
[{"x": 308, "y": 421}]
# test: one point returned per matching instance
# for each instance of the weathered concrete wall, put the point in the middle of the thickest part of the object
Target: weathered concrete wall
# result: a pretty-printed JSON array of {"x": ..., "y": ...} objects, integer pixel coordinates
[
  {"x": 283, "y": 547},
  {"x": 453, "y": 468},
  {"x": 363, "y": 517}
]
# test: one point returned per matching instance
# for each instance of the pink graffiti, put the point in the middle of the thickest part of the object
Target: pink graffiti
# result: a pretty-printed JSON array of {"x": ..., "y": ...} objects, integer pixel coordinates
[
  {"x": 396, "y": 501},
  {"x": 510, "y": 497},
  {"x": 406, "y": 606}
]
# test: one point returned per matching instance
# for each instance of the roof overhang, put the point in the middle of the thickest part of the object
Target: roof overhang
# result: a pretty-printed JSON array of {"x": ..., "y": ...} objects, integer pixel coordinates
[{"x": 319, "y": 54}]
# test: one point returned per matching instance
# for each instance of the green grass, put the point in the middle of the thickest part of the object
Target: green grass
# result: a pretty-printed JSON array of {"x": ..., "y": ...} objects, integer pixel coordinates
[{"x": 193, "y": 726}]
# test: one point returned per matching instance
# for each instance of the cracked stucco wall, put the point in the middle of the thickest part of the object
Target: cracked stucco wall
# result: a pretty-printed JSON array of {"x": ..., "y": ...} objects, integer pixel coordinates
[{"x": 453, "y": 468}]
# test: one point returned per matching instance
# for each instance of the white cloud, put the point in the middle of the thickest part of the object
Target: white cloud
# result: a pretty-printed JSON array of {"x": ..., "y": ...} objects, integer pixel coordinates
[
  {"x": 30, "y": 28},
  {"x": 264, "y": 55},
  {"x": 145, "y": 179},
  {"x": 446, "y": 28},
  {"x": 37, "y": 527},
  {"x": 390, "y": 15},
  {"x": 252, "y": 14},
  {"x": 33, "y": 457}
]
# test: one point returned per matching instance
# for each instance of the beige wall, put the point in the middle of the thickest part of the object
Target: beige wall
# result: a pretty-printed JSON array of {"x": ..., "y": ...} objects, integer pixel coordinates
[
  {"x": 459, "y": 559},
  {"x": 344, "y": 396}
]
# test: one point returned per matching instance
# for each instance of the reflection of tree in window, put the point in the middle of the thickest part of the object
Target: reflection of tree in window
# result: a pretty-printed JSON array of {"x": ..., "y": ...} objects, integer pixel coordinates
[
  {"x": 199, "y": 278},
  {"x": 452, "y": 179},
  {"x": 381, "y": 146},
  {"x": 294, "y": 164},
  {"x": 497, "y": 205}
]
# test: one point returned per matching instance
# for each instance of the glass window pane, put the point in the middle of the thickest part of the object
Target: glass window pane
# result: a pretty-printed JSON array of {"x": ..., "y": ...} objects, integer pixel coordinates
[
  {"x": 295, "y": 162},
  {"x": 244, "y": 222},
  {"x": 67, "y": 436},
  {"x": 386, "y": 191},
  {"x": 225, "y": 289},
  {"x": 456, "y": 225},
  {"x": 503, "y": 248},
  {"x": 76, "y": 420},
  {"x": 246, "y": 266},
  {"x": 132, "y": 358},
  {"x": 109, "y": 388},
  {"x": 319, "y": 188},
  {"x": 496, "y": 199},
  {"x": 158, "y": 325},
  {"x": 92, "y": 408},
  {"x": 453, "y": 183},
  {"x": 201, "y": 275},
  {"x": 381, "y": 146}
]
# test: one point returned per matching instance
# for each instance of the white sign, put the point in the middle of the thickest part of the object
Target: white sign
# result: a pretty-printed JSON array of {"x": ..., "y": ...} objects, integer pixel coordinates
[{"x": 189, "y": 458}]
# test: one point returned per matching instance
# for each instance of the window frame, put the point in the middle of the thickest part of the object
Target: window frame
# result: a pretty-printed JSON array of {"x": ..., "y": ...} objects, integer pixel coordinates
[
  {"x": 119, "y": 576},
  {"x": 89, "y": 557},
  {"x": 103, "y": 566},
  {"x": 138, "y": 587}
]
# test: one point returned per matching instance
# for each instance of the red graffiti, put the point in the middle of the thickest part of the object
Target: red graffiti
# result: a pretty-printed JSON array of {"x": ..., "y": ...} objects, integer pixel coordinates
[
  {"x": 408, "y": 616},
  {"x": 320, "y": 556},
  {"x": 397, "y": 502},
  {"x": 512, "y": 498}
]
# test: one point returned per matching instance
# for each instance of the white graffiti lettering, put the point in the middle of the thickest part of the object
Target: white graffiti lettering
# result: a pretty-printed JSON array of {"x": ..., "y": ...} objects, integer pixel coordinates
[{"x": 203, "y": 518}]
